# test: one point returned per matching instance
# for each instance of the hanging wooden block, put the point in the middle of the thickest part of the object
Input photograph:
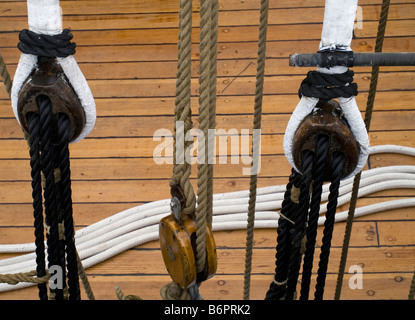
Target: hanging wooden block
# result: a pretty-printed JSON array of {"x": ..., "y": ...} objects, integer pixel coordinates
[
  {"x": 327, "y": 119},
  {"x": 178, "y": 248},
  {"x": 49, "y": 80}
]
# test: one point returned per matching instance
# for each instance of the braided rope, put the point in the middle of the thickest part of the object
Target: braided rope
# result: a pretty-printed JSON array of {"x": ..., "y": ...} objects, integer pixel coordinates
[
  {"x": 322, "y": 145},
  {"x": 44, "y": 45},
  {"x": 204, "y": 101},
  {"x": 383, "y": 19},
  {"x": 300, "y": 224},
  {"x": 171, "y": 291},
  {"x": 69, "y": 238},
  {"x": 5, "y": 75},
  {"x": 212, "y": 104},
  {"x": 31, "y": 276},
  {"x": 328, "y": 86},
  {"x": 34, "y": 141},
  {"x": 45, "y": 110},
  {"x": 181, "y": 171},
  {"x": 84, "y": 279},
  {"x": 278, "y": 286},
  {"x": 259, "y": 88},
  {"x": 338, "y": 160}
]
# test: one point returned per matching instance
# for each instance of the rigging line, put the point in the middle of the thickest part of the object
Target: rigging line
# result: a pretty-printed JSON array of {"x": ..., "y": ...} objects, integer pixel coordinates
[
  {"x": 212, "y": 103},
  {"x": 322, "y": 145},
  {"x": 284, "y": 230},
  {"x": 300, "y": 224},
  {"x": 46, "y": 149},
  {"x": 34, "y": 140},
  {"x": 66, "y": 198},
  {"x": 183, "y": 113},
  {"x": 383, "y": 19},
  {"x": 338, "y": 161},
  {"x": 256, "y": 142},
  {"x": 204, "y": 117},
  {"x": 5, "y": 76}
]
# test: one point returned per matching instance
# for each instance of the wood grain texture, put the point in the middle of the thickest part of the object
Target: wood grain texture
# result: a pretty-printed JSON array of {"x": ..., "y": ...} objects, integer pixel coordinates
[{"x": 128, "y": 51}]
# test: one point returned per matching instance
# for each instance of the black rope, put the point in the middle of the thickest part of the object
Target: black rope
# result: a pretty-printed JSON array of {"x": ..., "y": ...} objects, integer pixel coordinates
[
  {"x": 57, "y": 186},
  {"x": 328, "y": 86},
  {"x": 34, "y": 139},
  {"x": 50, "y": 156},
  {"x": 51, "y": 215},
  {"x": 338, "y": 160},
  {"x": 300, "y": 224},
  {"x": 52, "y": 46},
  {"x": 277, "y": 287},
  {"x": 322, "y": 145},
  {"x": 66, "y": 198},
  {"x": 305, "y": 216}
]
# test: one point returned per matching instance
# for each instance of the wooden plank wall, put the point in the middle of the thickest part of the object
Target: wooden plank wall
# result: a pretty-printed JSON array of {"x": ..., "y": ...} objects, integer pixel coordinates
[{"x": 127, "y": 50}]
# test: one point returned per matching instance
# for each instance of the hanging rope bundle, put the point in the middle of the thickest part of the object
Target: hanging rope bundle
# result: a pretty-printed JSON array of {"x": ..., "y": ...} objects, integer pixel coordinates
[
  {"x": 53, "y": 104},
  {"x": 297, "y": 226},
  {"x": 49, "y": 137},
  {"x": 325, "y": 140},
  {"x": 186, "y": 239}
]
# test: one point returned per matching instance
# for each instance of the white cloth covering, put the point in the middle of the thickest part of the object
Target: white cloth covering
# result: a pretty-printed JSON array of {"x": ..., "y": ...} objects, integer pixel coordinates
[
  {"x": 44, "y": 17},
  {"x": 337, "y": 33}
]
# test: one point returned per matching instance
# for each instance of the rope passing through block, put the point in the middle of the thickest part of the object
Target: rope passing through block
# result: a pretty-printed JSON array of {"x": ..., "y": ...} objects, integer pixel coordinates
[
  {"x": 177, "y": 234},
  {"x": 49, "y": 80},
  {"x": 326, "y": 119},
  {"x": 46, "y": 39}
]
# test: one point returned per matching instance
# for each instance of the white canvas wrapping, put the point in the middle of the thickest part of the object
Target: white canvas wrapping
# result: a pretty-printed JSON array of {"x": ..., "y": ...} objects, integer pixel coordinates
[
  {"x": 44, "y": 17},
  {"x": 337, "y": 33},
  {"x": 338, "y": 23}
]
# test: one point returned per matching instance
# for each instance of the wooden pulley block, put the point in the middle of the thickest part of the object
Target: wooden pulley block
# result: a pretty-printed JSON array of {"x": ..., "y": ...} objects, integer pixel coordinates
[
  {"x": 178, "y": 248},
  {"x": 48, "y": 79},
  {"x": 326, "y": 119}
]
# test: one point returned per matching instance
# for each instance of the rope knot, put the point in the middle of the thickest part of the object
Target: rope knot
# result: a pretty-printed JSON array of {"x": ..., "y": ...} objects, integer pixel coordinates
[
  {"x": 59, "y": 45},
  {"x": 171, "y": 291},
  {"x": 328, "y": 86}
]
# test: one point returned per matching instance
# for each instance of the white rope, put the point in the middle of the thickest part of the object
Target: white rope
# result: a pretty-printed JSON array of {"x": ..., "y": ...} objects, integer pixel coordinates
[{"x": 135, "y": 226}]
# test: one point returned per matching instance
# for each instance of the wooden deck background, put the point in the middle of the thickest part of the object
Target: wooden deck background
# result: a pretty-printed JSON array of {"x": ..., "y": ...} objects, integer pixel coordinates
[{"x": 127, "y": 50}]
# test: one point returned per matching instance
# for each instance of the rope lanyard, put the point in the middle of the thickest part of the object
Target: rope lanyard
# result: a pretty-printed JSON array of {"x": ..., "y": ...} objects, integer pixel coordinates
[
  {"x": 183, "y": 195},
  {"x": 261, "y": 55},
  {"x": 368, "y": 116}
]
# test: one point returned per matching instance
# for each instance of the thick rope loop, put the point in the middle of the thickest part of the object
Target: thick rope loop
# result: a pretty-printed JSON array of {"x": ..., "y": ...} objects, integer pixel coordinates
[
  {"x": 328, "y": 86},
  {"x": 52, "y": 46}
]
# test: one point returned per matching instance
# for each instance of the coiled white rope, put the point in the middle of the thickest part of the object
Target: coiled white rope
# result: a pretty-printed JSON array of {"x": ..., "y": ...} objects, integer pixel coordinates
[{"x": 135, "y": 226}]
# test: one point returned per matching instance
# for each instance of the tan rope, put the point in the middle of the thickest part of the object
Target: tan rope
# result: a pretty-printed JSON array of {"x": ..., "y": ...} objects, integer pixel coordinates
[
  {"x": 181, "y": 171},
  {"x": 84, "y": 278},
  {"x": 5, "y": 76},
  {"x": 263, "y": 23},
  {"x": 30, "y": 277},
  {"x": 171, "y": 291},
  {"x": 121, "y": 296},
  {"x": 383, "y": 19},
  {"x": 204, "y": 117},
  {"x": 212, "y": 104}
]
